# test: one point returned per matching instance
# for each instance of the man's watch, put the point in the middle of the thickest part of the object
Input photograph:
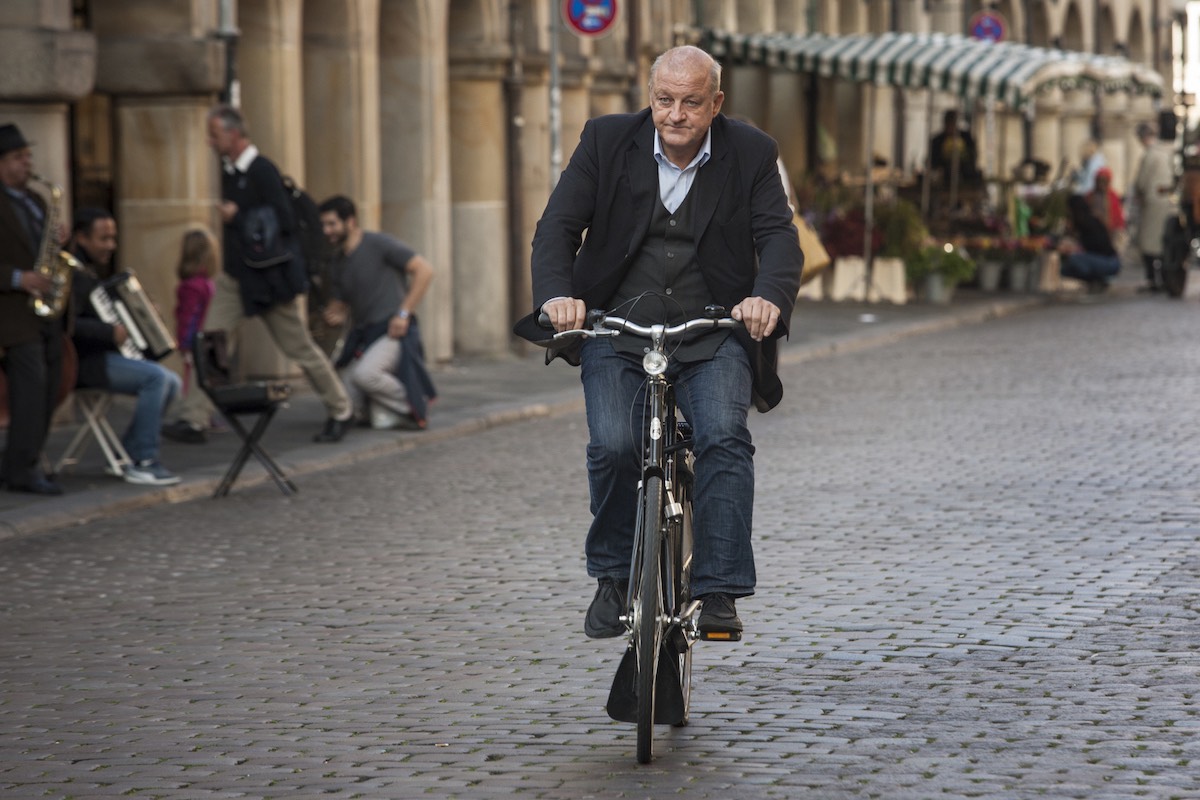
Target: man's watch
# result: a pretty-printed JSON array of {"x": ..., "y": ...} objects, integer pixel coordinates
[{"x": 402, "y": 313}]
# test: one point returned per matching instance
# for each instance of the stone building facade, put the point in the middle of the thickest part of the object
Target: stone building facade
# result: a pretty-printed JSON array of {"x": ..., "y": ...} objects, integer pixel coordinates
[{"x": 435, "y": 115}]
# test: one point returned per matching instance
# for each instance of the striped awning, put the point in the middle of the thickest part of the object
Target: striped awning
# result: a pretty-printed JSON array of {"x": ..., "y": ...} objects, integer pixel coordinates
[{"x": 1008, "y": 72}]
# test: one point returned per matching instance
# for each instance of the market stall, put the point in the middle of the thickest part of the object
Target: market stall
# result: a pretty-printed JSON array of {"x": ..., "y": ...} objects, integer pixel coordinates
[{"x": 975, "y": 72}]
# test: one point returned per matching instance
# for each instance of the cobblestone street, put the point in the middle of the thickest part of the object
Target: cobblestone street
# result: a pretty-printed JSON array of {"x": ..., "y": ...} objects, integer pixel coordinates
[{"x": 979, "y": 576}]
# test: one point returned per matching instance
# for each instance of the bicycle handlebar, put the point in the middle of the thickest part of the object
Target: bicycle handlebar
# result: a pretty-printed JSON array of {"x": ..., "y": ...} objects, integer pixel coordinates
[{"x": 604, "y": 325}]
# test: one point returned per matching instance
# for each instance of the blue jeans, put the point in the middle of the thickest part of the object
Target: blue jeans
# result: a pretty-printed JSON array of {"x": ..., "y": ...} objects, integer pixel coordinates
[
  {"x": 1090, "y": 267},
  {"x": 714, "y": 396},
  {"x": 155, "y": 387}
]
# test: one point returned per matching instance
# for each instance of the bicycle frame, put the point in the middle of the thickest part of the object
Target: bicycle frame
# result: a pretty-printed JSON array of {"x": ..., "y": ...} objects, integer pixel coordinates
[{"x": 661, "y": 630}]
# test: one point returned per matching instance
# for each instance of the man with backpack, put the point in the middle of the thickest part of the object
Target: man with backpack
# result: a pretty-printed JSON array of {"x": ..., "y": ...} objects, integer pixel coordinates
[{"x": 264, "y": 275}]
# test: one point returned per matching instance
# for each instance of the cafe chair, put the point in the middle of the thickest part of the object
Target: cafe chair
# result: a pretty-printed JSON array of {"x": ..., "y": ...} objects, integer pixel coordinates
[{"x": 233, "y": 399}]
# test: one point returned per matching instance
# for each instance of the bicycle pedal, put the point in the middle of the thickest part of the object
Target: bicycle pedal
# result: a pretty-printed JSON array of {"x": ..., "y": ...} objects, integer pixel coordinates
[{"x": 721, "y": 636}]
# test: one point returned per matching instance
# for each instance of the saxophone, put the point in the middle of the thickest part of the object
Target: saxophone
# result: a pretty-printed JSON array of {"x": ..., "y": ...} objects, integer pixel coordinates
[{"x": 53, "y": 262}]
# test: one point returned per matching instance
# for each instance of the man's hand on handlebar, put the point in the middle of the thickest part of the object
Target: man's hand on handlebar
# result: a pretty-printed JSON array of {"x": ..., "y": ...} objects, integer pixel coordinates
[
  {"x": 565, "y": 313},
  {"x": 759, "y": 316}
]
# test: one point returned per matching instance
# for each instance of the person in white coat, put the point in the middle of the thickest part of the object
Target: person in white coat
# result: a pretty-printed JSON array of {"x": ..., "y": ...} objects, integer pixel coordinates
[{"x": 1153, "y": 193}]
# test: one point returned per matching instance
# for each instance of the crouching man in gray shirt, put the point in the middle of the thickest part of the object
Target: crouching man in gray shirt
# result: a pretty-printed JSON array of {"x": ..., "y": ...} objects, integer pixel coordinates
[{"x": 377, "y": 284}]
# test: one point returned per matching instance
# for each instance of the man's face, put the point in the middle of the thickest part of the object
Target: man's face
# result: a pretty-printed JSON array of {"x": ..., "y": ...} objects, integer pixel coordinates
[
  {"x": 683, "y": 105},
  {"x": 220, "y": 139},
  {"x": 15, "y": 167},
  {"x": 334, "y": 228},
  {"x": 100, "y": 242}
]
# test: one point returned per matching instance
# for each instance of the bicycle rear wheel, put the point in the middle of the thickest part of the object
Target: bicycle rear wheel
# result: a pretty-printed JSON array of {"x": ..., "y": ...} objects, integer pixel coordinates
[{"x": 647, "y": 614}]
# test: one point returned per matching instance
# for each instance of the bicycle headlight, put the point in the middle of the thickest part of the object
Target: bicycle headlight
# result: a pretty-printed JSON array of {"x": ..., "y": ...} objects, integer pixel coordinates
[{"x": 654, "y": 362}]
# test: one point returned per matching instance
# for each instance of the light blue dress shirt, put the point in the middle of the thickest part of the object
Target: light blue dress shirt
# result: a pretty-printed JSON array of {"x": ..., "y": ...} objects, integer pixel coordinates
[{"x": 675, "y": 183}]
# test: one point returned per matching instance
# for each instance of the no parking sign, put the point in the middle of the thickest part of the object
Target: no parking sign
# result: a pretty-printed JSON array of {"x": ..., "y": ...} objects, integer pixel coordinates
[
  {"x": 988, "y": 25},
  {"x": 590, "y": 17}
]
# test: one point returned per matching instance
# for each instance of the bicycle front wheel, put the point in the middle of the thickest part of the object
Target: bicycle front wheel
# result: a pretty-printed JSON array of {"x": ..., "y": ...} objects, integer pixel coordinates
[{"x": 647, "y": 613}]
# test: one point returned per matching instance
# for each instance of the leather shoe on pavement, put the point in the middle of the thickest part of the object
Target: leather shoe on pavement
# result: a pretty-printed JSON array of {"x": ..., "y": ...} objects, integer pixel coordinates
[
  {"x": 37, "y": 485},
  {"x": 603, "y": 620},
  {"x": 334, "y": 430},
  {"x": 718, "y": 618}
]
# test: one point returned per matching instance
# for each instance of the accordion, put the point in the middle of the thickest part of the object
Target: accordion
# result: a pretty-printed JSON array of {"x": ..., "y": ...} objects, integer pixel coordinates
[{"x": 121, "y": 300}]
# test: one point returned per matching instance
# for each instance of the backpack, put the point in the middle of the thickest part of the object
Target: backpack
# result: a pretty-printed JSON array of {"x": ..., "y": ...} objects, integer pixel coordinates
[
  {"x": 308, "y": 236},
  {"x": 262, "y": 241}
]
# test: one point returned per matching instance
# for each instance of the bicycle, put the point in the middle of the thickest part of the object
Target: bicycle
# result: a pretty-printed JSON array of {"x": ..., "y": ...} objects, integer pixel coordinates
[{"x": 653, "y": 683}]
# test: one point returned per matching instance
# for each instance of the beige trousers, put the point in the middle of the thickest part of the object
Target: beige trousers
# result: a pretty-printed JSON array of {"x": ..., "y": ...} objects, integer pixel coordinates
[{"x": 285, "y": 323}]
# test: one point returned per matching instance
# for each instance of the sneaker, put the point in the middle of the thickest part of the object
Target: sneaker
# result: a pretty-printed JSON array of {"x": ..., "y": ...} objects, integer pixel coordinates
[
  {"x": 150, "y": 473},
  {"x": 603, "y": 620},
  {"x": 400, "y": 422},
  {"x": 180, "y": 431},
  {"x": 718, "y": 618}
]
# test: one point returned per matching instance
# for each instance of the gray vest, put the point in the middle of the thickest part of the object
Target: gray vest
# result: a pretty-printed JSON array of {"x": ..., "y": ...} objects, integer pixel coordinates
[{"x": 664, "y": 284}]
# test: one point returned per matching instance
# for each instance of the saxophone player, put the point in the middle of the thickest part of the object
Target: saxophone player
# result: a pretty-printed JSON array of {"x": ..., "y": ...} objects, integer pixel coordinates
[{"x": 32, "y": 344}]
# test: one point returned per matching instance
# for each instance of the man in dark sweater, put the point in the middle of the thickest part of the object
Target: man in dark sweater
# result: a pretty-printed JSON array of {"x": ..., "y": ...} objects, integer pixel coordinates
[{"x": 264, "y": 274}]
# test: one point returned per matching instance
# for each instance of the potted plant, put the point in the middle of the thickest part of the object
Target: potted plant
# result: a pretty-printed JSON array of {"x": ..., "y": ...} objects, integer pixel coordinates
[
  {"x": 903, "y": 231},
  {"x": 938, "y": 268}
]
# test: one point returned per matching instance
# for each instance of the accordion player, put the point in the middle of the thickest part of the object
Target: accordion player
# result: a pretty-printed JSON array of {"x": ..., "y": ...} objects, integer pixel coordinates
[{"x": 122, "y": 300}]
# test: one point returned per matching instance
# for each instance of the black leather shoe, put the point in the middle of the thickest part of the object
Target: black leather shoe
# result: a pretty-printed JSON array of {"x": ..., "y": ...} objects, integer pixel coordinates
[
  {"x": 37, "y": 485},
  {"x": 334, "y": 430},
  {"x": 180, "y": 431},
  {"x": 603, "y": 620},
  {"x": 718, "y": 618}
]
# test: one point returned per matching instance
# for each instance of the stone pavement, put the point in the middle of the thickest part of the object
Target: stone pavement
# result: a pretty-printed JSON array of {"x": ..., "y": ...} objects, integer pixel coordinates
[
  {"x": 977, "y": 578},
  {"x": 977, "y": 555},
  {"x": 474, "y": 395}
]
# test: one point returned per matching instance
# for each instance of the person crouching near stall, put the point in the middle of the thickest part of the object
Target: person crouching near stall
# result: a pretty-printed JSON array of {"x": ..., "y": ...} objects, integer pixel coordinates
[{"x": 1088, "y": 253}]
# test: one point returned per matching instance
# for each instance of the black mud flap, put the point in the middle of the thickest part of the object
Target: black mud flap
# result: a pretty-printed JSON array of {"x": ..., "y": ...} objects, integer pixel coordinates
[{"x": 668, "y": 694}]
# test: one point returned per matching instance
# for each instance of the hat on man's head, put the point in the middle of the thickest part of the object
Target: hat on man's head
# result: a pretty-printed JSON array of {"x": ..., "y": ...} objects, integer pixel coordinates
[
  {"x": 11, "y": 139},
  {"x": 1104, "y": 172}
]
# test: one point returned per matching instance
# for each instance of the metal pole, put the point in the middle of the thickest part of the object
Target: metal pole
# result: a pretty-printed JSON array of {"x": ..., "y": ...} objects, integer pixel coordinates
[
  {"x": 228, "y": 32},
  {"x": 633, "y": 51},
  {"x": 555, "y": 99},
  {"x": 925, "y": 187},
  {"x": 869, "y": 202},
  {"x": 514, "y": 86}
]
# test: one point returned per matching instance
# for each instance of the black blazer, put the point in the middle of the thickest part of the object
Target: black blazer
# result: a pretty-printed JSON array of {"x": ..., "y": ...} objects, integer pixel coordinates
[
  {"x": 746, "y": 244},
  {"x": 18, "y": 323}
]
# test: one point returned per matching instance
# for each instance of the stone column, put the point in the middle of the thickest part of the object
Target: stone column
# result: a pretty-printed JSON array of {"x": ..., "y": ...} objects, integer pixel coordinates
[
  {"x": 1116, "y": 128},
  {"x": 480, "y": 212},
  {"x": 172, "y": 188},
  {"x": 788, "y": 93},
  {"x": 1075, "y": 121},
  {"x": 415, "y": 155},
  {"x": 271, "y": 69},
  {"x": 44, "y": 65},
  {"x": 535, "y": 153},
  {"x": 746, "y": 91},
  {"x": 341, "y": 102},
  {"x": 1047, "y": 130},
  {"x": 167, "y": 177}
]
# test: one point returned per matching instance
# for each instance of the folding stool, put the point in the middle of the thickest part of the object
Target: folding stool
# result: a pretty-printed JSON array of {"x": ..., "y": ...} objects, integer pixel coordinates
[
  {"x": 261, "y": 398},
  {"x": 94, "y": 404}
]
